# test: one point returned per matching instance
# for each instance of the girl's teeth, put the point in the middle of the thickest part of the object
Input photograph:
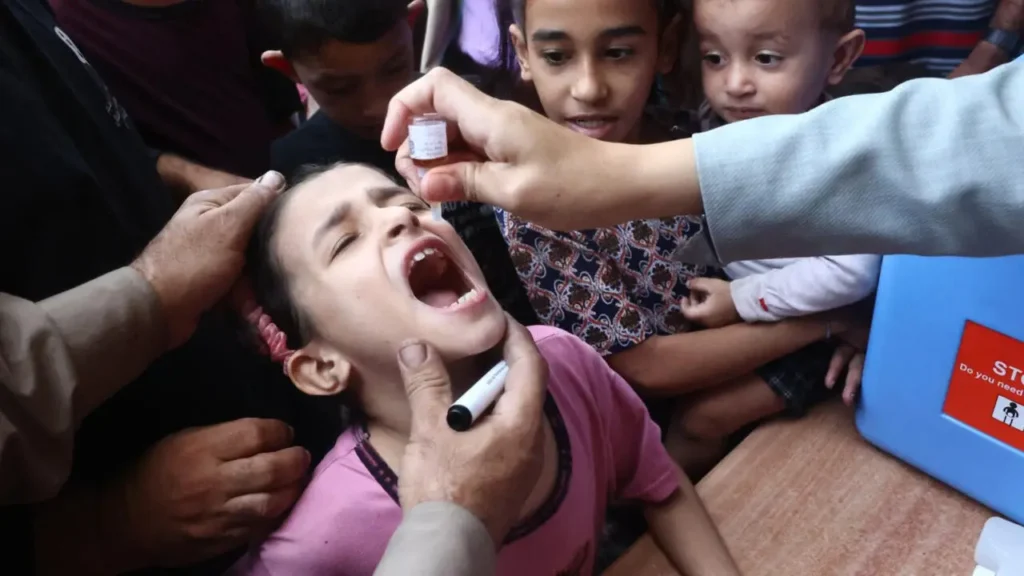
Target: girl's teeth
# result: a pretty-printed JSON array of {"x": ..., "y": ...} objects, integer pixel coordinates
[
  {"x": 419, "y": 256},
  {"x": 464, "y": 298}
]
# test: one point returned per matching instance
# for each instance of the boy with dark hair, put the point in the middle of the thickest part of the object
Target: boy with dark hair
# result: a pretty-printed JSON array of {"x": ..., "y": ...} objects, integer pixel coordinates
[{"x": 353, "y": 56}]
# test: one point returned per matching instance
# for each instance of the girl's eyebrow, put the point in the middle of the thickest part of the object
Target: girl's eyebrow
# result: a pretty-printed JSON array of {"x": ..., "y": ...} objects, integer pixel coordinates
[
  {"x": 336, "y": 217},
  {"x": 378, "y": 196},
  {"x": 382, "y": 194},
  {"x": 552, "y": 35}
]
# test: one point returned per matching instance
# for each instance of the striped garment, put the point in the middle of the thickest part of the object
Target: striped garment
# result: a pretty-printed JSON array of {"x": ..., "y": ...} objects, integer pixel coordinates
[{"x": 937, "y": 34}]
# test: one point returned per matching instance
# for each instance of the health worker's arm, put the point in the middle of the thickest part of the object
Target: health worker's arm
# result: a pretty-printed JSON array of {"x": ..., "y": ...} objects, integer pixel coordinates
[
  {"x": 439, "y": 539},
  {"x": 932, "y": 167},
  {"x": 59, "y": 360}
]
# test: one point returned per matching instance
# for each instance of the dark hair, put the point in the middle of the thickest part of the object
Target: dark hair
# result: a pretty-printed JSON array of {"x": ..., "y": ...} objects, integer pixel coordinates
[
  {"x": 681, "y": 87},
  {"x": 667, "y": 9},
  {"x": 302, "y": 27},
  {"x": 267, "y": 277},
  {"x": 839, "y": 15}
]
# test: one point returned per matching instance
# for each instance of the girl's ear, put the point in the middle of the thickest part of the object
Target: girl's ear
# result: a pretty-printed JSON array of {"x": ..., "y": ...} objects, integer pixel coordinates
[
  {"x": 275, "y": 60},
  {"x": 415, "y": 10},
  {"x": 848, "y": 50},
  {"x": 319, "y": 371},
  {"x": 668, "y": 47},
  {"x": 522, "y": 51}
]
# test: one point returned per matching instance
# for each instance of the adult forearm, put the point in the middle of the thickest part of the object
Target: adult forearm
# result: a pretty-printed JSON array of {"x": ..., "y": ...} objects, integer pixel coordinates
[
  {"x": 1009, "y": 16},
  {"x": 624, "y": 182},
  {"x": 929, "y": 168},
  {"x": 59, "y": 360},
  {"x": 113, "y": 328},
  {"x": 186, "y": 177},
  {"x": 439, "y": 539},
  {"x": 681, "y": 363}
]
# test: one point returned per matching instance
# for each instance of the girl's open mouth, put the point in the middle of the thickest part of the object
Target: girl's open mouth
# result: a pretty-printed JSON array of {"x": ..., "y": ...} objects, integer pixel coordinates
[{"x": 436, "y": 279}]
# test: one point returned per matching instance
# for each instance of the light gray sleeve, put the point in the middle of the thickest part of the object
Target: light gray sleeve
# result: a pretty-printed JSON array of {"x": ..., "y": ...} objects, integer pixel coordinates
[
  {"x": 439, "y": 539},
  {"x": 932, "y": 167},
  {"x": 59, "y": 360}
]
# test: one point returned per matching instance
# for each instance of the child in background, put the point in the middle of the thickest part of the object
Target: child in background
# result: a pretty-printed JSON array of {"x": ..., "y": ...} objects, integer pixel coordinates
[
  {"x": 776, "y": 57},
  {"x": 349, "y": 266},
  {"x": 594, "y": 64},
  {"x": 352, "y": 57}
]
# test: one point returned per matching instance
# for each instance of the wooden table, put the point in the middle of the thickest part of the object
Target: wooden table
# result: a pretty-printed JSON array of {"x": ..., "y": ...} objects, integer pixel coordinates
[{"x": 810, "y": 497}]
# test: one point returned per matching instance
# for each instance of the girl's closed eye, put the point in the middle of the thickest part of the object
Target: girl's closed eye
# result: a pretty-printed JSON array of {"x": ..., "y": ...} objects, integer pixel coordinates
[
  {"x": 416, "y": 206},
  {"x": 768, "y": 59},
  {"x": 341, "y": 244}
]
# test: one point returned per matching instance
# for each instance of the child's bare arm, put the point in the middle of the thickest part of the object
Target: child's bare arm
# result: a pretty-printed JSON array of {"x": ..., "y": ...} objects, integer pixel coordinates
[
  {"x": 680, "y": 363},
  {"x": 686, "y": 534}
]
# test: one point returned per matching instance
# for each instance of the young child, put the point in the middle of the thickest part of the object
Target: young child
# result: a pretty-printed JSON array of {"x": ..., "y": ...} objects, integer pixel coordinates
[
  {"x": 349, "y": 265},
  {"x": 775, "y": 57},
  {"x": 593, "y": 64}
]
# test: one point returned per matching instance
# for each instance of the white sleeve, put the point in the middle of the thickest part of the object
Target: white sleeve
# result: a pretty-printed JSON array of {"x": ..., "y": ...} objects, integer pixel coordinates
[{"x": 807, "y": 286}]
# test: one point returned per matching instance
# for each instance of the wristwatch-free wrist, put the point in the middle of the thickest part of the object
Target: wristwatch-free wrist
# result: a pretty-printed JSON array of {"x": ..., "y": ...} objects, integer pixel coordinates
[{"x": 1009, "y": 42}]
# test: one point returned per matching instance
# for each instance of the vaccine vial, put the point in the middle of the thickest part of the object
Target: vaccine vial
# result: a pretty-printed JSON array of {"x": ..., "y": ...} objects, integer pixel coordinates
[{"x": 428, "y": 147}]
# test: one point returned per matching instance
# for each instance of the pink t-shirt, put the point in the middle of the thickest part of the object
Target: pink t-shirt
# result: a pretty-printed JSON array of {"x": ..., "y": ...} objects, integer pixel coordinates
[{"x": 608, "y": 450}]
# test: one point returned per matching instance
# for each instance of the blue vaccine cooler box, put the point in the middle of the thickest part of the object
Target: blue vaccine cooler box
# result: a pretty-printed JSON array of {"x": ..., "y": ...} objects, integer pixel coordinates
[{"x": 943, "y": 386}]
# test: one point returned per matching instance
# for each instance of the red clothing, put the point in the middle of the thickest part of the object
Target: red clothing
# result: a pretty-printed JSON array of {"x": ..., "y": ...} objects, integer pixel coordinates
[
  {"x": 938, "y": 34},
  {"x": 188, "y": 74}
]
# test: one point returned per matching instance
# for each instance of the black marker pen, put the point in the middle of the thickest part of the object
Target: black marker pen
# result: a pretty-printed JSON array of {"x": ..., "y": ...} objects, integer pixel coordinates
[{"x": 480, "y": 396}]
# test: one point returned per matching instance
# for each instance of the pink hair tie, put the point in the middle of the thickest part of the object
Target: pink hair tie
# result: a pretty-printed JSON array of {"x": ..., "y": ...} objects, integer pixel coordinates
[{"x": 275, "y": 342}]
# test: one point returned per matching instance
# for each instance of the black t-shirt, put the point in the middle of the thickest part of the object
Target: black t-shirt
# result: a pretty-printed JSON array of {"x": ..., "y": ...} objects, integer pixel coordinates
[
  {"x": 81, "y": 197},
  {"x": 320, "y": 141}
]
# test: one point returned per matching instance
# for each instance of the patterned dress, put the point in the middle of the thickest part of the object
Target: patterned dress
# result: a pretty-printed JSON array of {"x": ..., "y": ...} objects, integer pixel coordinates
[
  {"x": 616, "y": 287},
  {"x": 611, "y": 287}
]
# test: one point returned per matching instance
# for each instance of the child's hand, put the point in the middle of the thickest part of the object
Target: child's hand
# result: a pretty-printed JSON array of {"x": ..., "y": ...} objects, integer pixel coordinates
[
  {"x": 851, "y": 358},
  {"x": 709, "y": 303}
]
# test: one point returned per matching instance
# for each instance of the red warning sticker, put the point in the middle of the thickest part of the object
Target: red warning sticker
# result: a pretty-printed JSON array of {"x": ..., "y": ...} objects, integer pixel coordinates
[{"x": 986, "y": 391}]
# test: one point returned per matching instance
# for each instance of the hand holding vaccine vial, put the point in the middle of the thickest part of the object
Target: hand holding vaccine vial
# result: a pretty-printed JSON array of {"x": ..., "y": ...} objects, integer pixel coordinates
[{"x": 428, "y": 147}]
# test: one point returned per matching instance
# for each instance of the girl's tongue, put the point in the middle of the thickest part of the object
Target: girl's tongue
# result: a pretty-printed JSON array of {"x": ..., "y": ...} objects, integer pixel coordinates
[{"x": 440, "y": 298}]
